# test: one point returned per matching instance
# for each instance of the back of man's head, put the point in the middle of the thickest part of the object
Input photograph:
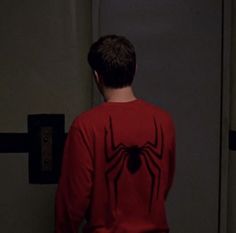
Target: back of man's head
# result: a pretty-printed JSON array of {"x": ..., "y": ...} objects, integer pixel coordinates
[{"x": 113, "y": 58}]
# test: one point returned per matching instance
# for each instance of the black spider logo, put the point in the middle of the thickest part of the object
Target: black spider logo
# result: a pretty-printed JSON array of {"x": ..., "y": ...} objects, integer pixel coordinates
[{"x": 150, "y": 152}]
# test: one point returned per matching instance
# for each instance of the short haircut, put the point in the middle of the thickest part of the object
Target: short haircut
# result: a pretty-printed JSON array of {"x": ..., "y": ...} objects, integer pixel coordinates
[{"x": 113, "y": 58}]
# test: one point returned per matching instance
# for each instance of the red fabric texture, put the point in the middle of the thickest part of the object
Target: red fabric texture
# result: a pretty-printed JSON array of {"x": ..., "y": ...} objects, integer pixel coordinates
[{"x": 118, "y": 167}]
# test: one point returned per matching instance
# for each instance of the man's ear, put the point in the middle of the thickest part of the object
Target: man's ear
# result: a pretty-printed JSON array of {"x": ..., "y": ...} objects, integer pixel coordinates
[{"x": 97, "y": 79}]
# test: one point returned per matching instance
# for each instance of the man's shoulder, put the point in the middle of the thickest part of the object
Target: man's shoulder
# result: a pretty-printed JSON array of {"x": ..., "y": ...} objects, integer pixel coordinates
[
  {"x": 162, "y": 115},
  {"x": 88, "y": 117},
  {"x": 157, "y": 110}
]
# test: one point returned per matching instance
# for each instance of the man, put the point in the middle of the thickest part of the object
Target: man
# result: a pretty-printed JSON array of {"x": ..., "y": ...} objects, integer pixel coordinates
[{"x": 119, "y": 157}]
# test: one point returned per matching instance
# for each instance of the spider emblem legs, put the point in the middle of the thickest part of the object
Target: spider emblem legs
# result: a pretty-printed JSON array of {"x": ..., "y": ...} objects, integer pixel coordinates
[
  {"x": 117, "y": 150},
  {"x": 121, "y": 153},
  {"x": 153, "y": 177},
  {"x": 150, "y": 149}
]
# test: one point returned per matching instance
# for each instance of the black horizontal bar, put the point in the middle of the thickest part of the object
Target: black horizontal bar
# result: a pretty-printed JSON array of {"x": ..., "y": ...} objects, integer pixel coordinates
[
  {"x": 14, "y": 143},
  {"x": 19, "y": 142},
  {"x": 232, "y": 140}
]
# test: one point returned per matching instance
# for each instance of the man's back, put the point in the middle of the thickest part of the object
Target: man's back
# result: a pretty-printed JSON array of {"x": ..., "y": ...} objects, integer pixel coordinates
[{"x": 119, "y": 159}]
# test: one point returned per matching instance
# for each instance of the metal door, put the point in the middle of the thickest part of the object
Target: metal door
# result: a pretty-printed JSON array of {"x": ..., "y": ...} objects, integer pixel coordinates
[{"x": 179, "y": 46}]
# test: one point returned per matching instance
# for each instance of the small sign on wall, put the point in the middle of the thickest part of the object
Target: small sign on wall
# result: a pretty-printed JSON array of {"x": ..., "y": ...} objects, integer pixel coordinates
[{"x": 46, "y": 143}]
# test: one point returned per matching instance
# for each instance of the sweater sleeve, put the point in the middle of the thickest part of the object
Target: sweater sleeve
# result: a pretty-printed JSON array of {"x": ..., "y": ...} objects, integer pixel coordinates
[{"x": 74, "y": 188}]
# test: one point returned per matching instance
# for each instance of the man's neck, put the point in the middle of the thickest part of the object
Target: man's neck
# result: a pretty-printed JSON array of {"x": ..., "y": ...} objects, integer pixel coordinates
[{"x": 124, "y": 94}]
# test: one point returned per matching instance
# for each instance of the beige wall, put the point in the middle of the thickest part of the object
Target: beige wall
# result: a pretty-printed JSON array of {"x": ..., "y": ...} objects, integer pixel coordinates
[{"x": 43, "y": 69}]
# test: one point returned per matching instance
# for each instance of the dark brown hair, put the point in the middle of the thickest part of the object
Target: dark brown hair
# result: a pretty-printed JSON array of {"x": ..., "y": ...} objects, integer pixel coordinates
[{"x": 113, "y": 58}]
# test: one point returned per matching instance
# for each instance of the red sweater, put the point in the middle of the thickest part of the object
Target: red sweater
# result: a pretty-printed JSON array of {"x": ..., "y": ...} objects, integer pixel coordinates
[{"x": 118, "y": 167}]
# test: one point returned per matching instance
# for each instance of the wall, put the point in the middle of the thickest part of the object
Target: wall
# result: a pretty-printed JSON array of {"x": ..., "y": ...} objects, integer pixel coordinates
[{"x": 43, "y": 69}]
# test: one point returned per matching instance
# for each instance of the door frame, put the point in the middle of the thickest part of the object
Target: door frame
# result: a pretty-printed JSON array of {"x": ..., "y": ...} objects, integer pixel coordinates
[{"x": 225, "y": 115}]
